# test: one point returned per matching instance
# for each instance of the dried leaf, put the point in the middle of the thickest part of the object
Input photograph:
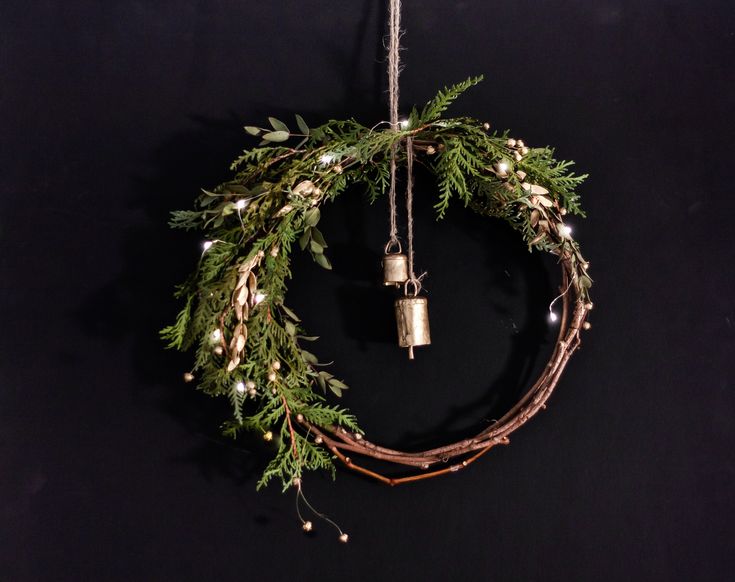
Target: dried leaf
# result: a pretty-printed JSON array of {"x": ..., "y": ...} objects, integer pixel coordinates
[
  {"x": 535, "y": 216},
  {"x": 242, "y": 280},
  {"x": 284, "y": 211},
  {"x": 536, "y": 189},
  {"x": 252, "y": 283},
  {"x": 234, "y": 363},
  {"x": 304, "y": 188},
  {"x": 242, "y": 295},
  {"x": 545, "y": 201},
  {"x": 240, "y": 343},
  {"x": 537, "y": 239}
]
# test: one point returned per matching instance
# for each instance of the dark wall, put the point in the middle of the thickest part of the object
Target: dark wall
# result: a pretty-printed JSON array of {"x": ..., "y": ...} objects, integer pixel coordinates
[{"x": 114, "y": 113}]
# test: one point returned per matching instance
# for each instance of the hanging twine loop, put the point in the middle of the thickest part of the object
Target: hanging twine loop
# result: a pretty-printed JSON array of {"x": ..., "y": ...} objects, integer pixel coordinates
[
  {"x": 413, "y": 282},
  {"x": 394, "y": 31}
]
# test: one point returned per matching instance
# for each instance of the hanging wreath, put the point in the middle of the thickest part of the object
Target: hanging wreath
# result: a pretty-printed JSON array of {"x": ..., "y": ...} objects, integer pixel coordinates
[{"x": 251, "y": 347}]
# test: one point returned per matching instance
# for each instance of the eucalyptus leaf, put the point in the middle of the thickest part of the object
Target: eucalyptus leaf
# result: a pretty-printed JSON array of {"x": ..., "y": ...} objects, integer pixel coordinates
[
  {"x": 304, "y": 239},
  {"x": 312, "y": 216},
  {"x": 290, "y": 313},
  {"x": 290, "y": 328},
  {"x": 278, "y": 125},
  {"x": 309, "y": 357},
  {"x": 276, "y": 136},
  {"x": 302, "y": 124},
  {"x": 316, "y": 247},
  {"x": 323, "y": 261},
  {"x": 316, "y": 234},
  {"x": 252, "y": 130},
  {"x": 337, "y": 391}
]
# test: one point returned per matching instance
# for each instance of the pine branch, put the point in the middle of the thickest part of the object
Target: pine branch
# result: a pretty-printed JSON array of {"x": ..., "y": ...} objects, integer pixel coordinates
[{"x": 444, "y": 98}]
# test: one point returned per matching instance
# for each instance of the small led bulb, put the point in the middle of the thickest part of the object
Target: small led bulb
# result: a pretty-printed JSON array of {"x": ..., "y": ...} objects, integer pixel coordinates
[
  {"x": 241, "y": 204},
  {"x": 240, "y": 387},
  {"x": 216, "y": 335},
  {"x": 207, "y": 244},
  {"x": 553, "y": 316},
  {"x": 326, "y": 159},
  {"x": 566, "y": 230},
  {"x": 259, "y": 298}
]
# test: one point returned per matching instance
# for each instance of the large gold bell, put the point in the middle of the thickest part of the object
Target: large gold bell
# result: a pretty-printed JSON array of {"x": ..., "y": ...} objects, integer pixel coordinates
[
  {"x": 395, "y": 269},
  {"x": 412, "y": 317}
]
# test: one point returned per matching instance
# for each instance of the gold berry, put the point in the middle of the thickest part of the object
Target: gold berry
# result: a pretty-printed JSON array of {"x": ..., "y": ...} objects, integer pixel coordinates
[{"x": 268, "y": 436}]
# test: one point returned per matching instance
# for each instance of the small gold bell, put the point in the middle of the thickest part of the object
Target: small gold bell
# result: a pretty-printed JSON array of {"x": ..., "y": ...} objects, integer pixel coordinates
[
  {"x": 395, "y": 269},
  {"x": 412, "y": 317},
  {"x": 395, "y": 265}
]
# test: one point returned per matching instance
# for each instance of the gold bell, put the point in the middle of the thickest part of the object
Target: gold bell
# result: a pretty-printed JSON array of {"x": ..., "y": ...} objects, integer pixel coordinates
[
  {"x": 412, "y": 317},
  {"x": 395, "y": 269},
  {"x": 395, "y": 264}
]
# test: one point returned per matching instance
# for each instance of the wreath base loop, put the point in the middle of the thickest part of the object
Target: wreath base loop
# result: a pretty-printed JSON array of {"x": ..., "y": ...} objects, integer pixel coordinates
[{"x": 463, "y": 453}]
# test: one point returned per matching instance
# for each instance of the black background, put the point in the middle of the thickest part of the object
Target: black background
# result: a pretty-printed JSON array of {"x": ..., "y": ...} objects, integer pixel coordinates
[{"x": 114, "y": 113}]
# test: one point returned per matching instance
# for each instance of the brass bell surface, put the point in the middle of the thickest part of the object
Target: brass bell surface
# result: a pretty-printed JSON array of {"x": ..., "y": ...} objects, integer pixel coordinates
[
  {"x": 395, "y": 269},
  {"x": 412, "y": 318}
]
